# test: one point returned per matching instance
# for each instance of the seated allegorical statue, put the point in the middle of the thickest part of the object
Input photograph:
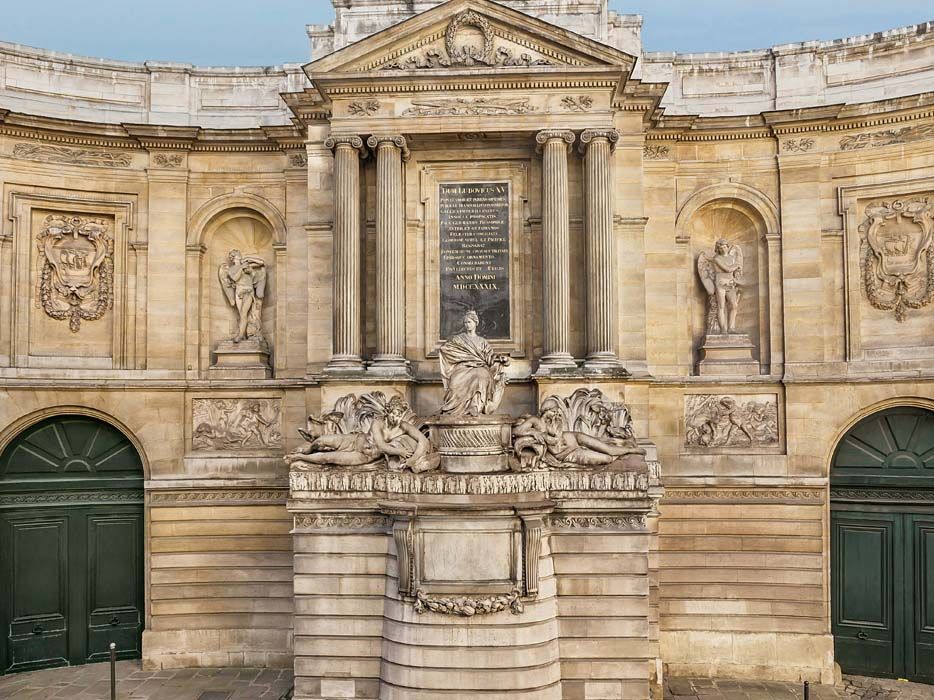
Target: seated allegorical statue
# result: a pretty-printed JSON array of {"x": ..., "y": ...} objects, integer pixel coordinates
[
  {"x": 474, "y": 376},
  {"x": 578, "y": 432},
  {"x": 364, "y": 434}
]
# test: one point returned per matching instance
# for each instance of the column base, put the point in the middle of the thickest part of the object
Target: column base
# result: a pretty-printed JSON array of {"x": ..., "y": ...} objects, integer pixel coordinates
[
  {"x": 605, "y": 364},
  {"x": 345, "y": 364},
  {"x": 558, "y": 363},
  {"x": 390, "y": 366}
]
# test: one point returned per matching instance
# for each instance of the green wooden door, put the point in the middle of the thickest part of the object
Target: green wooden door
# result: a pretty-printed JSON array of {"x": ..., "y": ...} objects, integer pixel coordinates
[
  {"x": 882, "y": 546},
  {"x": 71, "y": 536}
]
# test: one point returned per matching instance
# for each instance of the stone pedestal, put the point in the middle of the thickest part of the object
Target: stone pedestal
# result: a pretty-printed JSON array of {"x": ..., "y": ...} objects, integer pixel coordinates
[
  {"x": 468, "y": 586},
  {"x": 248, "y": 359},
  {"x": 471, "y": 445},
  {"x": 728, "y": 355}
]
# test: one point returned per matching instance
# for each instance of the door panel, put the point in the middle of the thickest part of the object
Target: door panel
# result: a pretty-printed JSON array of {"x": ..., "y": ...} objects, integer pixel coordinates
[
  {"x": 864, "y": 616},
  {"x": 921, "y": 643},
  {"x": 115, "y": 584},
  {"x": 36, "y": 583},
  {"x": 71, "y": 545}
]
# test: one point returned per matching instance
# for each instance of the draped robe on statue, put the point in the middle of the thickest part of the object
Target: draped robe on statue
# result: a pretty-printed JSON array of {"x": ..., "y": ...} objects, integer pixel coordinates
[{"x": 472, "y": 377}]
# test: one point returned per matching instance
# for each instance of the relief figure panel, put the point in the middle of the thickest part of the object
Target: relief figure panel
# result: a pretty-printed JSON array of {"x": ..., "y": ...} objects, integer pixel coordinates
[
  {"x": 236, "y": 424},
  {"x": 731, "y": 422}
]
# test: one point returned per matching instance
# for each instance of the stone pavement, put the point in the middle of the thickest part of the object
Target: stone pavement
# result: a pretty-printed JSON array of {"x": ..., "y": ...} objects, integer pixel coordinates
[
  {"x": 92, "y": 682},
  {"x": 852, "y": 688}
]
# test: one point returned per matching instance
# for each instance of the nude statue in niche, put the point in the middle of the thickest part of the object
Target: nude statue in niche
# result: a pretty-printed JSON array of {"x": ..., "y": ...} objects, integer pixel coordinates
[
  {"x": 366, "y": 433},
  {"x": 722, "y": 277},
  {"x": 474, "y": 376},
  {"x": 243, "y": 279}
]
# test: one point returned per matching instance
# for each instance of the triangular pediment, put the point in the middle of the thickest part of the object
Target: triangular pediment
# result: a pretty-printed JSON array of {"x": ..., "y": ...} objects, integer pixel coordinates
[{"x": 471, "y": 36}]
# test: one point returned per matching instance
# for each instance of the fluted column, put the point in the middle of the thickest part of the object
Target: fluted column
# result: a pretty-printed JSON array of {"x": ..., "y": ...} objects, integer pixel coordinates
[
  {"x": 390, "y": 254},
  {"x": 556, "y": 249},
  {"x": 598, "y": 145},
  {"x": 347, "y": 348}
]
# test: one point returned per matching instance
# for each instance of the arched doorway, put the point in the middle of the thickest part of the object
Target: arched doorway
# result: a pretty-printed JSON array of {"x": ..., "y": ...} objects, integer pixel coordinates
[
  {"x": 71, "y": 545},
  {"x": 882, "y": 545}
]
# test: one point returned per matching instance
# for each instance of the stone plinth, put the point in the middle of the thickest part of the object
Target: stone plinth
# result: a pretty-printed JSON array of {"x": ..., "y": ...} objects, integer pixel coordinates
[
  {"x": 474, "y": 585},
  {"x": 248, "y": 359},
  {"x": 731, "y": 354},
  {"x": 472, "y": 445}
]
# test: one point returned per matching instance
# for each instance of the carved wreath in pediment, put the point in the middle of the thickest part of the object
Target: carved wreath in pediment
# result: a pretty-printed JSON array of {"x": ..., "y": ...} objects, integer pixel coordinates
[
  {"x": 458, "y": 52},
  {"x": 898, "y": 255},
  {"x": 76, "y": 268}
]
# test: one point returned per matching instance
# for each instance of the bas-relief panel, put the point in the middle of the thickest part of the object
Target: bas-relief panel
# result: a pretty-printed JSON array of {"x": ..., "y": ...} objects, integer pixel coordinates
[
  {"x": 73, "y": 286},
  {"x": 236, "y": 424},
  {"x": 736, "y": 423},
  {"x": 889, "y": 239}
]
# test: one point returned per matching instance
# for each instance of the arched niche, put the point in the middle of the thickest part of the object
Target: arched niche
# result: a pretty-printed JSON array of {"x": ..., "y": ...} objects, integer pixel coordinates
[
  {"x": 253, "y": 226},
  {"x": 745, "y": 217}
]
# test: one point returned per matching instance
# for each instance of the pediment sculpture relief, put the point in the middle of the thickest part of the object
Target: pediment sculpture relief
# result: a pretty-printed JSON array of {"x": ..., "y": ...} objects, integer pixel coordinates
[
  {"x": 722, "y": 277},
  {"x": 583, "y": 431},
  {"x": 469, "y": 42},
  {"x": 898, "y": 255},
  {"x": 243, "y": 279},
  {"x": 366, "y": 433},
  {"x": 77, "y": 268}
]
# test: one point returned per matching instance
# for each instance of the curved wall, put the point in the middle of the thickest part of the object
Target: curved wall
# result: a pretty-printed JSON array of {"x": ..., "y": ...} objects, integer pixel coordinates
[{"x": 893, "y": 63}]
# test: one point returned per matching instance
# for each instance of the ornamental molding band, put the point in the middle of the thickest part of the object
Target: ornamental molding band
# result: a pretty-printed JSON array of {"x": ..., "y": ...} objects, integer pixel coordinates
[
  {"x": 636, "y": 523},
  {"x": 888, "y": 137},
  {"x": 223, "y": 497},
  {"x": 469, "y": 607},
  {"x": 69, "y": 498},
  {"x": 76, "y": 268},
  {"x": 460, "y": 52},
  {"x": 469, "y": 107},
  {"x": 897, "y": 254},
  {"x": 333, "y": 521},
  {"x": 317, "y": 482},
  {"x": 804, "y": 496},
  {"x": 236, "y": 424},
  {"x": 728, "y": 421},
  {"x": 46, "y": 153},
  {"x": 864, "y": 495}
]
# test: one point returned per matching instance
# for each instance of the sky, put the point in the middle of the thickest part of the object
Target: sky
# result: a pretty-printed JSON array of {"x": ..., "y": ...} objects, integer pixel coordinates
[{"x": 272, "y": 32}]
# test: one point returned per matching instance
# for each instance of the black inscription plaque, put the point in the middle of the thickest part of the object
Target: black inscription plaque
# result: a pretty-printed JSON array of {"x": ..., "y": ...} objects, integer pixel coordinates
[{"x": 474, "y": 239}]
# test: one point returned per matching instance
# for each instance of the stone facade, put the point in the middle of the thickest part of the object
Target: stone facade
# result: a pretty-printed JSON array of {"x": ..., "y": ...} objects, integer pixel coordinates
[{"x": 619, "y": 174}]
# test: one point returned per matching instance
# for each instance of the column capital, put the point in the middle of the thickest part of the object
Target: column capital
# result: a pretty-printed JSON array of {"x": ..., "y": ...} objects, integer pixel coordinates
[
  {"x": 546, "y": 135},
  {"x": 334, "y": 142},
  {"x": 396, "y": 140},
  {"x": 589, "y": 136}
]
